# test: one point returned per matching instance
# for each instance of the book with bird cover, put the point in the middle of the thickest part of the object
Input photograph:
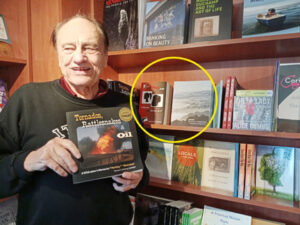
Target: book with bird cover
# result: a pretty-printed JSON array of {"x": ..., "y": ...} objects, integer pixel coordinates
[
  {"x": 120, "y": 21},
  {"x": 107, "y": 140}
]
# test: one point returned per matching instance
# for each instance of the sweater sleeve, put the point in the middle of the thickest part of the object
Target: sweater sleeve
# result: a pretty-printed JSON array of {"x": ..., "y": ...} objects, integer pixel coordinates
[{"x": 13, "y": 176}]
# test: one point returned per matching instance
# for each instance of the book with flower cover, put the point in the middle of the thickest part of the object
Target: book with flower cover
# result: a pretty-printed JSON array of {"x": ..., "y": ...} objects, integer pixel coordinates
[{"x": 107, "y": 140}]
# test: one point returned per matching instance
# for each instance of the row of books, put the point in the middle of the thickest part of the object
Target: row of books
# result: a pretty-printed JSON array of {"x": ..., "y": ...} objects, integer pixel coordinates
[
  {"x": 240, "y": 169},
  {"x": 154, "y": 210},
  {"x": 3, "y": 94},
  {"x": 192, "y": 103},
  {"x": 135, "y": 24}
]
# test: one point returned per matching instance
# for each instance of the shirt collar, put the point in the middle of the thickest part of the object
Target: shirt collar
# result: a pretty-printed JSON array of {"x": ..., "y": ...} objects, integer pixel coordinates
[{"x": 103, "y": 88}]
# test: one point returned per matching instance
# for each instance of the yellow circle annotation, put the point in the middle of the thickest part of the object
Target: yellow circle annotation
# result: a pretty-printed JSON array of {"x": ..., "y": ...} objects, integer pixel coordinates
[{"x": 187, "y": 60}]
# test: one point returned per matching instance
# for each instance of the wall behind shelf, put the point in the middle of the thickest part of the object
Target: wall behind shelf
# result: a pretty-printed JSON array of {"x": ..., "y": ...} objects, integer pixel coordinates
[{"x": 17, "y": 17}]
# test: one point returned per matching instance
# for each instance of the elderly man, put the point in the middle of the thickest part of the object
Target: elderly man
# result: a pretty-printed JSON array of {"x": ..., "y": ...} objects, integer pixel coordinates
[{"x": 36, "y": 156}]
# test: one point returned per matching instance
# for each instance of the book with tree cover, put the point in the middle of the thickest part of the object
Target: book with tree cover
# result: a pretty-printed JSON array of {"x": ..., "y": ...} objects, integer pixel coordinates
[
  {"x": 275, "y": 171},
  {"x": 108, "y": 142},
  {"x": 120, "y": 21}
]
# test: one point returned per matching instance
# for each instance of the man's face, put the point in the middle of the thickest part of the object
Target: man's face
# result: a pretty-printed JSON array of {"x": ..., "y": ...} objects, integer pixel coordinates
[{"x": 81, "y": 53}]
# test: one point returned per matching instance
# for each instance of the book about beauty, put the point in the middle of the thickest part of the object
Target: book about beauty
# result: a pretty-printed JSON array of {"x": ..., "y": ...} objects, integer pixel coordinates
[{"x": 107, "y": 140}]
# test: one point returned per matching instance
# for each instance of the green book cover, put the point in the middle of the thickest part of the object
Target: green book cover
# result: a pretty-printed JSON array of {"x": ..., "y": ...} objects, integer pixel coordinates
[{"x": 187, "y": 162}]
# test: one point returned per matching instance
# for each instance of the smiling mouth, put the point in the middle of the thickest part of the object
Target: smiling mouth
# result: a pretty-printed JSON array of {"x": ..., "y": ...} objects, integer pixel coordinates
[{"x": 80, "y": 69}]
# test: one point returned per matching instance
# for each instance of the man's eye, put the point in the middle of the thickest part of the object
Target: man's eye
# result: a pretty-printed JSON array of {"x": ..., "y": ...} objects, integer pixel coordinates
[
  {"x": 90, "y": 50},
  {"x": 68, "y": 49}
]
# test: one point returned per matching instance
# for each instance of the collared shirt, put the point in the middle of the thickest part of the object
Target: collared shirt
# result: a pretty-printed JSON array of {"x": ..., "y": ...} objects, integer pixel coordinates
[{"x": 102, "y": 90}]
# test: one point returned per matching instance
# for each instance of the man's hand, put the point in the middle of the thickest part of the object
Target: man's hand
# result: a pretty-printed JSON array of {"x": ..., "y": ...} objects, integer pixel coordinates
[
  {"x": 127, "y": 181},
  {"x": 56, "y": 154}
]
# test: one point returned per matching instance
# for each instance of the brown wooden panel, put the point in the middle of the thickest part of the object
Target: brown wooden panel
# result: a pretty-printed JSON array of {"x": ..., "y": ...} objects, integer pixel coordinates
[
  {"x": 71, "y": 7},
  {"x": 17, "y": 17},
  {"x": 44, "y": 16}
]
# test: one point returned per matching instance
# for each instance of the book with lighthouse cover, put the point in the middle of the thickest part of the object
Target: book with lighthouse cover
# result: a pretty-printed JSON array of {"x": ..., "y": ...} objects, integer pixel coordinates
[{"x": 107, "y": 140}]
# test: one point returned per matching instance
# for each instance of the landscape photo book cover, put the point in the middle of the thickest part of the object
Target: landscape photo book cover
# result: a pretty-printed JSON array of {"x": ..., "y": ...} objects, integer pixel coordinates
[{"x": 107, "y": 140}]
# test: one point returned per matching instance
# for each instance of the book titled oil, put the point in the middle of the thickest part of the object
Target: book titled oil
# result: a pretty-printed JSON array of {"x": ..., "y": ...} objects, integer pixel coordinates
[{"x": 107, "y": 140}]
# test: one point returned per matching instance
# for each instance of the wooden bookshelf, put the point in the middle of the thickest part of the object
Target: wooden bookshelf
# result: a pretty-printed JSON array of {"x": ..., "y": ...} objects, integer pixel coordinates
[
  {"x": 10, "y": 61},
  {"x": 211, "y": 51},
  {"x": 272, "y": 209},
  {"x": 242, "y": 136}
]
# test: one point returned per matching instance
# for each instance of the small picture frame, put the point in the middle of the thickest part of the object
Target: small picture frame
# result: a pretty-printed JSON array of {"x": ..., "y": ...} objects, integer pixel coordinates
[{"x": 3, "y": 31}]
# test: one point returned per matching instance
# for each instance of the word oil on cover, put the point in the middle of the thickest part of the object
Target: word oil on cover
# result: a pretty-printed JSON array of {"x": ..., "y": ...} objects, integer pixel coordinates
[
  {"x": 120, "y": 21},
  {"x": 270, "y": 17},
  {"x": 192, "y": 103},
  {"x": 210, "y": 20},
  {"x": 107, "y": 140},
  {"x": 164, "y": 23}
]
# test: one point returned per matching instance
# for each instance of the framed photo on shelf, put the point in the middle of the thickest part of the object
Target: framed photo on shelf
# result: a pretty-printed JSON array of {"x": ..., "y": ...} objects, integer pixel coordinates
[{"x": 3, "y": 31}]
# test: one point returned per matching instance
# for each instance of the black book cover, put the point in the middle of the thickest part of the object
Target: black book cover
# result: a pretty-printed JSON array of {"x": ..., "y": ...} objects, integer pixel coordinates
[
  {"x": 210, "y": 20},
  {"x": 108, "y": 142},
  {"x": 120, "y": 21}
]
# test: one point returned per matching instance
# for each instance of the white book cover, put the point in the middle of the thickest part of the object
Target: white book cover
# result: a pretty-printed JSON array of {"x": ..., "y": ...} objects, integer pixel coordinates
[
  {"x": 219, "y": 166},
  {"x": 192, "y": 103},
  {"x": 159, "y": 158},
  {"x": 275, "y": 171},
  {"x": 215, "y": 216}
]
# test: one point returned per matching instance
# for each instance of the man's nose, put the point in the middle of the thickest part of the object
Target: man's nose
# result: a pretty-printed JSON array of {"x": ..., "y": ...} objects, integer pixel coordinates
[{"x": 79, "y": 56}]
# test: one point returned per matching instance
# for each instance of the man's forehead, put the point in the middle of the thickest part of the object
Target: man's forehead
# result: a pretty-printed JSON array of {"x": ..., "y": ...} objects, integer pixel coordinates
[{"x": 78, "y": 26}]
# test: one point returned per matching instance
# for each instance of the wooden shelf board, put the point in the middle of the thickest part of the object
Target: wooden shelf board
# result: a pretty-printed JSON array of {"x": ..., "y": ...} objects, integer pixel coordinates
[
  {"x": 10, "y": 61},
  {"x": 286, "y": 45},
  {"x": 241, "y": 136},
  {"x": 257, "y": 201}
]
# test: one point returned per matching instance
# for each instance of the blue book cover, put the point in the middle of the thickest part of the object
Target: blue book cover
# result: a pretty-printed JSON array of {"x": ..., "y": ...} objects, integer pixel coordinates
[
  {"x": 270, "y": 17},
  {"x": 217, "y": 118},
  {"x": 236, "y": 169}
]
